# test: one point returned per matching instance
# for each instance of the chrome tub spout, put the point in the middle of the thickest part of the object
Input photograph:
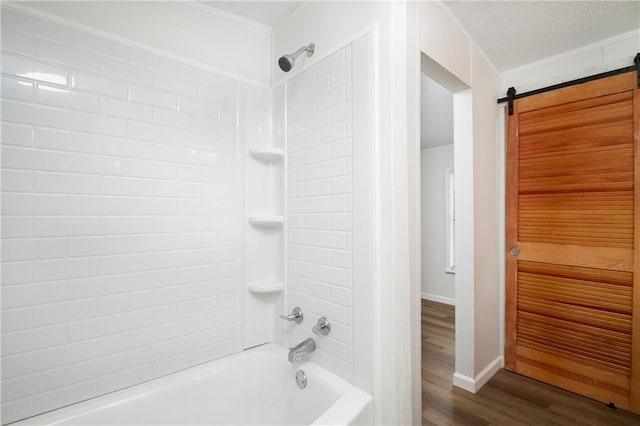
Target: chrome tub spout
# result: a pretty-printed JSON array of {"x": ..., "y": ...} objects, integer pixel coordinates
[{"x": 301, "y": 349}]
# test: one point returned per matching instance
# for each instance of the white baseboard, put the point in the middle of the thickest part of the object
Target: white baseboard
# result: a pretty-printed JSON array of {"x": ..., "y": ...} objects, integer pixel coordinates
[
  {"x": 474, "y": 385},
  {"x": 464, "y": 382},
  {"x": 439, "y": 299},
  {"x": 488, "y": 372}
]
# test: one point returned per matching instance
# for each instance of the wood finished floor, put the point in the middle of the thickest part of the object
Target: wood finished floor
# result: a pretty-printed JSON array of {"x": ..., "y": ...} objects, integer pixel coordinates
[{"x": 507, "y": 399}]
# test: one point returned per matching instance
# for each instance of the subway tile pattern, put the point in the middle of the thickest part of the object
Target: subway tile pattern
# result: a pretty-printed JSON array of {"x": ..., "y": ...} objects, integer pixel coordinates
[
  {"x": 319, "y": 203},
  {"x": 120, "y": 199}
]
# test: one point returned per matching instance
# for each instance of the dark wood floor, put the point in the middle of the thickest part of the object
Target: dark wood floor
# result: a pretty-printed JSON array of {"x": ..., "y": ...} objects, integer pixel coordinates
[{"x": 507, "y": 399}]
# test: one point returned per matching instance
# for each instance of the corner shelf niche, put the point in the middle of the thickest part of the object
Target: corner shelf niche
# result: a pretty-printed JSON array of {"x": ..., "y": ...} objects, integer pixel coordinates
[
  {"x": 270, "y": 155},
  {"x": 265, "y": 287},
  {"x": 266, "y": 221},
  {"x": 264, "y": 239}
]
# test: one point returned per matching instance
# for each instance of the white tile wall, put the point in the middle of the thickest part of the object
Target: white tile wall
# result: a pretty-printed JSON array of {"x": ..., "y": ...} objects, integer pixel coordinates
[
  {"x": 319, "y": 217},
  {"x": 120, "y": 193}
]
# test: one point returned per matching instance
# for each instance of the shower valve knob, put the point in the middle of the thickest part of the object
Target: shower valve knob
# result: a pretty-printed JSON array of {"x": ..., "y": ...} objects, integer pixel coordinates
[
  {"x": 296, "y": 316},
  {"x": 322, "y": 328}
]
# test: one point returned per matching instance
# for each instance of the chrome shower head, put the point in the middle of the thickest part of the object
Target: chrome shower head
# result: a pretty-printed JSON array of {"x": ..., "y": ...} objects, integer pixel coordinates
[{"x": 286, "y": 62}]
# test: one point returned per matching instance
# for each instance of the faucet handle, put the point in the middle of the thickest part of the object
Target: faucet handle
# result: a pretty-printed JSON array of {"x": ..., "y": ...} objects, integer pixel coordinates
[
  {"x": 322, "y": 327},
  {"x": 296, "y": 315}
]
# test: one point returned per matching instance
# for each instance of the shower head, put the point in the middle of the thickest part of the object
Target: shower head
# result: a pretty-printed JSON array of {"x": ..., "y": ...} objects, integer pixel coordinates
[{"x": 287, "y": 62}]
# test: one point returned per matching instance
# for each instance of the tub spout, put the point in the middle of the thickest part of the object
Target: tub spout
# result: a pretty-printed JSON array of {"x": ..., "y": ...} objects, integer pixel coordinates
[{"x": 303, "y": 348}]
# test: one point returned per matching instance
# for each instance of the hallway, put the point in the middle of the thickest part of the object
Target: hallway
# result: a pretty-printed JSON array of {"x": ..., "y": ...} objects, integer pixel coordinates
[{"x": 507, "y": 399}]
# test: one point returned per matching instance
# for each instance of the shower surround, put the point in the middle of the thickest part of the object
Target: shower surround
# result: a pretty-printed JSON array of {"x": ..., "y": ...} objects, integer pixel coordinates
[{"x": 149, "y": 226}]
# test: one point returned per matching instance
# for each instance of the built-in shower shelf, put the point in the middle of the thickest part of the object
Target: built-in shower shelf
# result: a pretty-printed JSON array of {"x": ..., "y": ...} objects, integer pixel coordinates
[
  {"x": 268, "y": 155},
  {"x": 266, "y": 221},
  {"x": 265, "y": 287}
]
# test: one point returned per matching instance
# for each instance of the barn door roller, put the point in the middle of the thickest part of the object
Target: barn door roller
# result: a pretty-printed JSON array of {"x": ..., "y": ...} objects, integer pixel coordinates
[{"x": 511, "y": 95}]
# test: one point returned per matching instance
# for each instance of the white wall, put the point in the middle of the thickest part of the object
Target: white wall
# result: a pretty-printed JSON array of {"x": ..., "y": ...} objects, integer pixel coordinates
[
  {"x": 121, "y": 207},
  {"x": 437, "y": 285},
  {"x": 605, "y": 55},
  {"x": 436, "y": 114},
  {"x": 477, "y": 250},
  {"x": 197, "y": 35},
  {"x": 487, "y": 245}
]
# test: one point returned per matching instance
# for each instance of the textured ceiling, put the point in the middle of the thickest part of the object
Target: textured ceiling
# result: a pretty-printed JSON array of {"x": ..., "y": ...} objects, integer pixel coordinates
[
  {"x": 514, "y": 33},
  {"x": 265, "y": 12}
]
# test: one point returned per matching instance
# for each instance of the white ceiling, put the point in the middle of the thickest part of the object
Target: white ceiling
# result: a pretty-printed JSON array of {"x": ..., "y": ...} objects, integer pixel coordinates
[
  {"x": 264, "y": 12},
  {"x": 511, "y": 33},
  {"x": 515, "y": 33}
]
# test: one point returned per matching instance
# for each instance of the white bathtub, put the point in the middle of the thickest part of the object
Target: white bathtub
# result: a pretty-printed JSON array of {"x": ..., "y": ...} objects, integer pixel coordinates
[{"x": 254, "y": 387}]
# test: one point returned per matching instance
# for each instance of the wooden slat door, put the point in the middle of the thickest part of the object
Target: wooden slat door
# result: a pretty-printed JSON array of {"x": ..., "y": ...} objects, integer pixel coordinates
[{"x": 573, "y": 298}]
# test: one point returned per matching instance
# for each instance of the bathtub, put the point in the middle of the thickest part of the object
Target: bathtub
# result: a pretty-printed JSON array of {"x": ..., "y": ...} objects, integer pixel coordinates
[{"x": 254, "y": 387}]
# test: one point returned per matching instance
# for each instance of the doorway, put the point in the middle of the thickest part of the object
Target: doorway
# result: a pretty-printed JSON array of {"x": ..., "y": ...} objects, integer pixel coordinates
[
  {"x": 446, "y": 220},
  {"x": 437, "y": 180}
]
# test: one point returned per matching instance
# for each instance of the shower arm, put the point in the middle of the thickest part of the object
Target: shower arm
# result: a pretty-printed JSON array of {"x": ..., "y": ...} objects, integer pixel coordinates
[{"x": 309, "y": 49}]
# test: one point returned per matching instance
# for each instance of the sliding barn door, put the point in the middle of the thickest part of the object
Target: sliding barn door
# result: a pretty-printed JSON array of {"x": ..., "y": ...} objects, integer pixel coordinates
[{"x": 573, "y": 302}]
